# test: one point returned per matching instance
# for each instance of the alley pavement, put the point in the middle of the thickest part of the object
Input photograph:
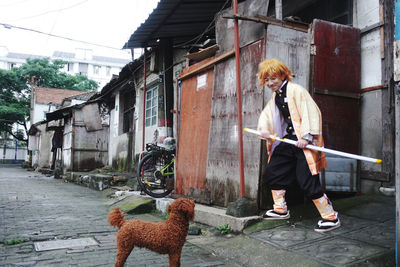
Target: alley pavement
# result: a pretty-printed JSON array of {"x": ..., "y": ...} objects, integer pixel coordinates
[{"x": 40, "y": 217}]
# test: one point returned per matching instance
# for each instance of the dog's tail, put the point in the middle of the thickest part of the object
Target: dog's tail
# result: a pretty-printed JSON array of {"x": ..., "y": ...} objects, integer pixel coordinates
[{"x": 116, "y": 217}]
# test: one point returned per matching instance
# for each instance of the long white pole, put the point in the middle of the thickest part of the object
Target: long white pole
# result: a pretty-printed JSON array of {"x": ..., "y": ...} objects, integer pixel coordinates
[{"x": 318, "y": 148}]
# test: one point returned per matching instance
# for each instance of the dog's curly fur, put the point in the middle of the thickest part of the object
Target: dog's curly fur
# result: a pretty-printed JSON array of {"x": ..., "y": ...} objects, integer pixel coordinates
[{"x": 167, "y": 237}]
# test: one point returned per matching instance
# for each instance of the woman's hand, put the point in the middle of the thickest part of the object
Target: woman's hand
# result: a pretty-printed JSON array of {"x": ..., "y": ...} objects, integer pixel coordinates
[
  {"x": 301, "y": 143},
  {"x": 265, "y": 134}
]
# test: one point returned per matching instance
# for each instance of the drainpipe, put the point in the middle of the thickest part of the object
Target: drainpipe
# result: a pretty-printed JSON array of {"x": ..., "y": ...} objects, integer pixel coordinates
[
  {"x": 239, "y": 98},
  {"x": 144, "y": 98}
]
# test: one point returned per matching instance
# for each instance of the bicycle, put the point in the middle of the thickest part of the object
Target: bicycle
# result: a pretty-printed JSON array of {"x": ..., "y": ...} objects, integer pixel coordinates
[{"x": 155, "y": 173}]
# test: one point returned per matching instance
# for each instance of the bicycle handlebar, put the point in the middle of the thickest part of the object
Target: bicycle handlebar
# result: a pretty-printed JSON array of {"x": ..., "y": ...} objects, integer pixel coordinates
[{"x": 152, "y": 147}]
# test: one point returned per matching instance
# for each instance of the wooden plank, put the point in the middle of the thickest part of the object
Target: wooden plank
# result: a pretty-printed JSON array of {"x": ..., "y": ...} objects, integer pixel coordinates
[
  {"x": 336, "y": 93},
  {"x": 203, "y": 53},
  {"x": 374, "y": 88},
  {"x": 388, "y": 142},
  {"x": 382, "y": 30},
  {"x": 269, "y": 20},
  {"x": 208, "y": 65}
]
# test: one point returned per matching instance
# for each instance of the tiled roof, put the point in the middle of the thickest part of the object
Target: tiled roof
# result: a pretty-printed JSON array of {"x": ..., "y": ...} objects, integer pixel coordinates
[
  {"x": 67, "y": 55},
  {"x": 46, "y": 95},
  {"x": 63, "y": 54},
  {"x": 22, "y": 56},
  {"x": 111, "y": 60}
]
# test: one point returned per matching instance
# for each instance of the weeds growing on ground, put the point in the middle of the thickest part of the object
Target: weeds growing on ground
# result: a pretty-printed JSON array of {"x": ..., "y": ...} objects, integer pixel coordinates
[
  {"x": 15, "y": 241},
  {"x": 224, "y": 229}
]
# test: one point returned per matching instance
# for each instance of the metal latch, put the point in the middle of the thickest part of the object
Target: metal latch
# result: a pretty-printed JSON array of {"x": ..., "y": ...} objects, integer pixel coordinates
[{"x": 313, "y": 50}]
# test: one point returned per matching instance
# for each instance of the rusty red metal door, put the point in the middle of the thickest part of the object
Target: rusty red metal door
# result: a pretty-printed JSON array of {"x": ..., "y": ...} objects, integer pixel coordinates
[
  {"x": 335, "y": 64},
  {"x": 194, "y": 130}
]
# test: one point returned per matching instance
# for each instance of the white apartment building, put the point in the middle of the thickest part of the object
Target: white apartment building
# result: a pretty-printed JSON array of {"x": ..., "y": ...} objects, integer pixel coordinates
[{"x": 83, "y": 61}]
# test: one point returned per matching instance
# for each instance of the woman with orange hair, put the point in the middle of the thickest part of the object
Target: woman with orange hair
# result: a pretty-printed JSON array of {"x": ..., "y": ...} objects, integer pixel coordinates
[{"x": 292, "y": 113}]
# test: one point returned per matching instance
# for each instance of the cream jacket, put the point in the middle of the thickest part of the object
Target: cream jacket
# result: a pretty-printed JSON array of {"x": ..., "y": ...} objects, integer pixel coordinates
[{"x": 306, "y": 119}]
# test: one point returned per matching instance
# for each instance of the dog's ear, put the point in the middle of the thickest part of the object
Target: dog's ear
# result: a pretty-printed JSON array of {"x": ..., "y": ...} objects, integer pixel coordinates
[
  {"x": 187, "y": 208},
  {"x": 169, "y": 208}
]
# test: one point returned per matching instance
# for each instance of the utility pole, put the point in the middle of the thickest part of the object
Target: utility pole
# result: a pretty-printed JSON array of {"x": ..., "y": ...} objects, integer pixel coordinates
[
  {"x": 32, "y": 85},
  {"x": 31, "y": 112}
]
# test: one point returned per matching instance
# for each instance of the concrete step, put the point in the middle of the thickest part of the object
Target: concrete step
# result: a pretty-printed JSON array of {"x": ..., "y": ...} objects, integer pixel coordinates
[{"x": 212, "y": 216}]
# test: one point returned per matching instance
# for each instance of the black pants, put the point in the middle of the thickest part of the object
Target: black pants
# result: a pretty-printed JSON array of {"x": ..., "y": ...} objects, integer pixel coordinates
[{"x": 288, "y": 163}]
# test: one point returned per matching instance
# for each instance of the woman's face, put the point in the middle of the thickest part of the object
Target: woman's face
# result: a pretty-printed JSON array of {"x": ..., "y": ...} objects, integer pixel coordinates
[{"x": 274, "y": 83}]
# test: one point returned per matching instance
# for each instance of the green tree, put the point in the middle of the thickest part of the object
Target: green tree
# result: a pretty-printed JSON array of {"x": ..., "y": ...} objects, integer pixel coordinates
[{"x": 15, "y": 89}]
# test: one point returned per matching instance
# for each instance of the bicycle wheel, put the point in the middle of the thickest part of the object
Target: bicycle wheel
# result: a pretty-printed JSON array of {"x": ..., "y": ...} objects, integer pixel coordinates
[{"x": 150, "y": 178}]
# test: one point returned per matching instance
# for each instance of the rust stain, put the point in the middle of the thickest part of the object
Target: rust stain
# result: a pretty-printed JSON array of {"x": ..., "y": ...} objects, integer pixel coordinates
[{"x": 194, "y": 132}]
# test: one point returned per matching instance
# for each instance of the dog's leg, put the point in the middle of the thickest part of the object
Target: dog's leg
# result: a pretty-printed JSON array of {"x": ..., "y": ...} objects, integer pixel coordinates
[
  {"x": 175, "y": 259},
  {"x": 122, "y": 254}
]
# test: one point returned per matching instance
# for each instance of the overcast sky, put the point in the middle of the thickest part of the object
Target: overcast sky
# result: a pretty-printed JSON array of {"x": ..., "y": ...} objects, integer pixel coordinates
[{"x": 104, "y": 22}]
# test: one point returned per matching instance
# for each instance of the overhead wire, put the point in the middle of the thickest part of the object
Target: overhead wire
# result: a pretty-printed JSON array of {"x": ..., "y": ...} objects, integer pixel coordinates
[
  {"x": 208, "y": 28},
  {"x": 9, "y": 26},
  {"x": 13, "y": 3},
  {"x": 51, "y": 11}
]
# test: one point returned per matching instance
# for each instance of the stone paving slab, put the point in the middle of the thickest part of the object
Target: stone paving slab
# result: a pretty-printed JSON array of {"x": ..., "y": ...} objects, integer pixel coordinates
[
  {"x": 374, "y": 211},
  {"x": 382, "y": 234},
  {"x": 288, "y": 236},
  {"x": 41, "y": 208},
  {"x": 339, "y": 251},
  {"x": 348, "y": 224}
]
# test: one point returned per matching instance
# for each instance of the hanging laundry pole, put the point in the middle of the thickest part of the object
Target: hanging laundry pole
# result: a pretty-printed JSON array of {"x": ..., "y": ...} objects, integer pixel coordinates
[
  {"x": 318, "y": 148},
  {"x": 239, "y": 97}
]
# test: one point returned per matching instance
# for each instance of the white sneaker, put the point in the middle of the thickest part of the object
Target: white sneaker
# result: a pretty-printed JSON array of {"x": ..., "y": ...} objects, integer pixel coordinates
[
  {"x": 327, "y": 225},
  {"x": 273, "y": 215}
]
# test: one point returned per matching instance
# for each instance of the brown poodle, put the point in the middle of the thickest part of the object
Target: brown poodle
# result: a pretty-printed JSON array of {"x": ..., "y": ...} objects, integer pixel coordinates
[{"x": 165, "y": 237}]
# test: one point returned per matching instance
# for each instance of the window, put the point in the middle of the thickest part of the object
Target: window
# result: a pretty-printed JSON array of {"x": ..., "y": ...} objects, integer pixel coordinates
[
  {"x": 108, "y": 71},
  {"x": 128, "y": 106},
  {"x": 151, "y": 106},
  {"x": 70, "y": 66},
  {"x": 96, "y": 70},
  {"x": 11, "y": 65},
  {"x": 83, "y": 69}
]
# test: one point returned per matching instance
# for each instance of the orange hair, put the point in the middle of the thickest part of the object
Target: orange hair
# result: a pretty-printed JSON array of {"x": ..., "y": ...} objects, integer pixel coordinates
[{"x": 273, "y": 68}]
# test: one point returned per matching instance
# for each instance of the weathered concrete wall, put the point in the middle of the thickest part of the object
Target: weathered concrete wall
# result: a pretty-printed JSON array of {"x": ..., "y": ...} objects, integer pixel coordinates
[
  {"x": 67, "y": 145},
  {"x": 83, "y": 149},
  {"x": 8, "y": 153},
  {"x": 122, "y": 152},
  {"x": 90, "y": 146},
  {"x": 366, "y": 13},
  {"x": 42, "y": 157},
  {"x": 40, "y": 110},
  {"x": 152, "y": 133},
  {"x": 120, "y": 145}
]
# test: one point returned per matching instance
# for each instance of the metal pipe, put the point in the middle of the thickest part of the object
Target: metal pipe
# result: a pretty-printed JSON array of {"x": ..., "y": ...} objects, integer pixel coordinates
[
  {"x": 239, "y": 98},
  {"x": 144, "y": 98}
]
